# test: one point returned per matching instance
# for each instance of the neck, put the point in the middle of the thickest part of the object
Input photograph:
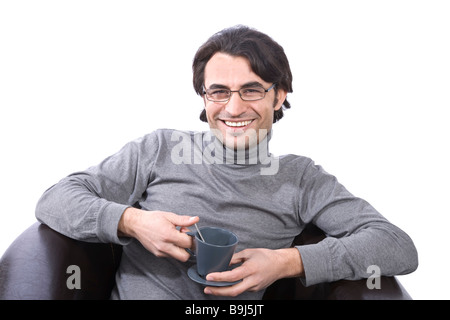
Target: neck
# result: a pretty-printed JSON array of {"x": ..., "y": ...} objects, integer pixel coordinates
[{"x": 256, "y": 152}]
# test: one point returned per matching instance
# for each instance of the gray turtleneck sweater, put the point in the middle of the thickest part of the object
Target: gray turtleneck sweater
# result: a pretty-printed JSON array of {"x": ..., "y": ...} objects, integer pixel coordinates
[{"x": 265, "y": 200}]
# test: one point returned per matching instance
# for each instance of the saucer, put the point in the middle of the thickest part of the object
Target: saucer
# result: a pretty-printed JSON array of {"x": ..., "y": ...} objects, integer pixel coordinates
[{"x": 193, "y": 274}]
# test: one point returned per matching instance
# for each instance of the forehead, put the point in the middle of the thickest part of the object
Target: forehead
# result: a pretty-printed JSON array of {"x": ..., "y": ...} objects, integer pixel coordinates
[{"x": 230, "y": 71}]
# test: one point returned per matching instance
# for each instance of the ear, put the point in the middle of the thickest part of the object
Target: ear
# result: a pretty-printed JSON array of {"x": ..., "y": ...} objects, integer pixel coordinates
[{"x": 281, "y": 96}]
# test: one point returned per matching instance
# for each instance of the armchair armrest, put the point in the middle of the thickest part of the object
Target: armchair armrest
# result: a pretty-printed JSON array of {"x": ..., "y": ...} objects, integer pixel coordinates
[
  {"x": 390, "y": 288},
  {"x": 35, "y": 266}
]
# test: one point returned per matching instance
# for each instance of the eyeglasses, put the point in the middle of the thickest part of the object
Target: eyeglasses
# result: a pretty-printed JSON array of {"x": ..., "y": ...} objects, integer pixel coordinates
[{"x": 251, "y": 93}]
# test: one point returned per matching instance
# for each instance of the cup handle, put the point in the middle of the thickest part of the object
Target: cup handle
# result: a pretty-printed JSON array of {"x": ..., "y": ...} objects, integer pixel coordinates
[{"x": 192, "y": 234}]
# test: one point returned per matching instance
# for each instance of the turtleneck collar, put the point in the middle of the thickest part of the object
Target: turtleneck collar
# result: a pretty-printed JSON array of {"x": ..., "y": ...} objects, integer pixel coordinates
[{"x": 255, "y": 154}]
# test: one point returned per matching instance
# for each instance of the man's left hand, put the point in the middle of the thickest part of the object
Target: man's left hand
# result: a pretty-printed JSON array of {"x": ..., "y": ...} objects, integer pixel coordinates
[{"x": 259, "y": 269}]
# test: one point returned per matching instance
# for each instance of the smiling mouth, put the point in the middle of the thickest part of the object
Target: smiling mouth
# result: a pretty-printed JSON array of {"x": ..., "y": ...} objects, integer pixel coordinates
[{"x": 237, "y": 124}]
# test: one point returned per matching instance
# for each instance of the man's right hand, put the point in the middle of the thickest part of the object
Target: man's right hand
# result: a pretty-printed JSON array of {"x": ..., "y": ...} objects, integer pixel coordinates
[{"x": 157, "y": 231}]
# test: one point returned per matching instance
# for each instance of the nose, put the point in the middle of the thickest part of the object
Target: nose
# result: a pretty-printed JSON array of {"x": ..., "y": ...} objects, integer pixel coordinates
[{"x": 235, "y": 106}]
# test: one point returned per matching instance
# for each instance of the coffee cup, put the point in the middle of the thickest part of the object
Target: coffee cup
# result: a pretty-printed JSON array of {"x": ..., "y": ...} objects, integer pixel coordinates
[{"x": 215, "y": 252}]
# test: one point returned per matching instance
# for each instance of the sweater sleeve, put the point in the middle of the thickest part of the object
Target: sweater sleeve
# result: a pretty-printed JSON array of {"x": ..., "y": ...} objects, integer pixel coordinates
[
  {"x": 88, "y": 205},
  {"x": 357, "y": 235}
]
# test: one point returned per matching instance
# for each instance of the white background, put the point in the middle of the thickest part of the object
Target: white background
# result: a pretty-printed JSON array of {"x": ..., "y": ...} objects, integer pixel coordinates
[{"x": 79, "y": 79}]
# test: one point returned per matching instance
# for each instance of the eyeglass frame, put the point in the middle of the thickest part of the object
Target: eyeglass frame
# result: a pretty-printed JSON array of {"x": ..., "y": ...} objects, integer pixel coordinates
[{"x": 239, "y": 91}]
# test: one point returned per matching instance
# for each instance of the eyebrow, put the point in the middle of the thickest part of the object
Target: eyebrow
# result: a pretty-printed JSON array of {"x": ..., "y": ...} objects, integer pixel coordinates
[{"x": 246, "y": 85}]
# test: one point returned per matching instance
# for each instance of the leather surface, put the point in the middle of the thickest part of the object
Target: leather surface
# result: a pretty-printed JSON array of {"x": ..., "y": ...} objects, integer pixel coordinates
[{"x": 35, "y": 266}]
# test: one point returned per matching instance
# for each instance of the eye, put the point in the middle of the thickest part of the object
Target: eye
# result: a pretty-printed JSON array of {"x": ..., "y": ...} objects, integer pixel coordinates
[
  {"x": 252, "y": 91},
  {"x": 218, "y": 92}
]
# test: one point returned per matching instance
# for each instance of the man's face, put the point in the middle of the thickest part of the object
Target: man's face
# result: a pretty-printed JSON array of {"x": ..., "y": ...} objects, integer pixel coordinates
[{"x": 236, "y": 119}]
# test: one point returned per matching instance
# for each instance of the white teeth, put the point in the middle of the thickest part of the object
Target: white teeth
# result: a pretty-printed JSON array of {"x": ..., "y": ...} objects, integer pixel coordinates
[{"x": 237, "y": 124}]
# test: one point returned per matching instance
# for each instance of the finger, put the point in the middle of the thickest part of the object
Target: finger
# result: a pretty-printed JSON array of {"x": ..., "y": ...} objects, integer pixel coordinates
[
  {"x": 182, "y": 221},
  {"x": 227, "y": 276},
  {"x": 238, "y": 257},
  {"x": 230, "y": 291},
  {"x": 184, "y": 229},
  {"x": 181, "y": 239},
  {"x": 178, "y": 253}
]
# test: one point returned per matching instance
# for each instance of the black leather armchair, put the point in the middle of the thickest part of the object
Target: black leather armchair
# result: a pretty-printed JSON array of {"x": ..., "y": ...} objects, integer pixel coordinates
[{"x": 35, "y": 267}]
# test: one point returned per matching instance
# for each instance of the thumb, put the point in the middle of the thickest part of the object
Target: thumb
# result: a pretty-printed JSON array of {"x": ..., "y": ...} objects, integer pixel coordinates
[{"x": 183, "y": 221}]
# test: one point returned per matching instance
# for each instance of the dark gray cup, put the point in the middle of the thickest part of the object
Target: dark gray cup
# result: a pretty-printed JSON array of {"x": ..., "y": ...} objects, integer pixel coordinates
[{"x": 213, "y": 255}]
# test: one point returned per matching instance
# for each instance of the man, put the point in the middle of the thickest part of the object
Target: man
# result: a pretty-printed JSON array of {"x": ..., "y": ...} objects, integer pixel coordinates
[{"x": 147, "y": 195}]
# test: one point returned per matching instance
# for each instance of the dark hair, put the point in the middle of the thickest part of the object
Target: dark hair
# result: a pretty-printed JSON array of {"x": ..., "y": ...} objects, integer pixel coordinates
[{"x": 267, "y": 59}]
